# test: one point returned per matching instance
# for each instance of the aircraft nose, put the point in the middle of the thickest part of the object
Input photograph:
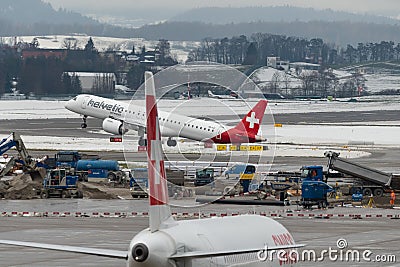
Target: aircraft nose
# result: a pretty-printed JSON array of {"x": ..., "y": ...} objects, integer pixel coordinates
[{"x": 68, "y": 105}]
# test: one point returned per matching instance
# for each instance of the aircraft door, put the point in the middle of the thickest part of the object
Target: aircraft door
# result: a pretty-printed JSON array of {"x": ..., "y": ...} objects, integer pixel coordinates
[
  {"x": 219, "y": 136},
  {"x": 84, "y": 102}
]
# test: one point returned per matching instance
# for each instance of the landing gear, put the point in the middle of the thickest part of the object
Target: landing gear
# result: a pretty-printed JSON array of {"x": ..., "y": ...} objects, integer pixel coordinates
[
  {"x": 142, "y": 141},
  {"x": 84, "y": 124},
  {"x": 171, "y": 142}
]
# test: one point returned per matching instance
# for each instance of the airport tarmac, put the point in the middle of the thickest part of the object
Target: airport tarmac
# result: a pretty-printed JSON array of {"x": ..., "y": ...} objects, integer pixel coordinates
[
  {"x": 70, "y": 127},
  {"x": 383, "y": 158},
  {"x": 378, "y": 235}
]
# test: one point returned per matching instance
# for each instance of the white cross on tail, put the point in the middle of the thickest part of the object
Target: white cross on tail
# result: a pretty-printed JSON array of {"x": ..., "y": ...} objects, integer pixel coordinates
[{"x": 252, "y": 120}]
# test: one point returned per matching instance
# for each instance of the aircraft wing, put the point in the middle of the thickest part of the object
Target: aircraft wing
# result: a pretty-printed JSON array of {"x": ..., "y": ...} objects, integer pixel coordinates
[
  {"x": 133, "y": 124},
  {"x": 209, "y": 254},
  {"x": 109, "y": 253}
]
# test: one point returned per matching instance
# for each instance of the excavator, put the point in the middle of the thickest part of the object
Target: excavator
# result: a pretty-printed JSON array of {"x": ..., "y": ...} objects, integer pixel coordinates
[{"x": 29, "y": 165}]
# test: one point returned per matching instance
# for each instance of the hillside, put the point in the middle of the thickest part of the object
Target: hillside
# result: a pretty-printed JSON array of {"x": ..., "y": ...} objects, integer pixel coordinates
[
  {"x": 225, "y": 15},
  {"x": 25, "y": 17},
  {"x": 340, "y": 33},
  {"x": 34, "y": 17},
  {"x": 36, "y": 11}
]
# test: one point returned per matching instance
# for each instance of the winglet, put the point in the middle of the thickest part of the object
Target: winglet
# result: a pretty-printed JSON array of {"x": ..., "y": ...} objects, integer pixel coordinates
[{"x": 159, "y": 209}]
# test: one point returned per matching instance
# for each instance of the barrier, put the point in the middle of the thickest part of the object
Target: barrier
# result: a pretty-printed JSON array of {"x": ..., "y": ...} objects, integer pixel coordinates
[{"x": 280, "y": 214}]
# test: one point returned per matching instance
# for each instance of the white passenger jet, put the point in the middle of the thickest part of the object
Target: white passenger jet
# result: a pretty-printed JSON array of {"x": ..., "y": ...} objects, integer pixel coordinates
[
  {"x": 224, "y": 241},
  {"x": 232, "y": 95},
  {"x": 119, "y": 117}
]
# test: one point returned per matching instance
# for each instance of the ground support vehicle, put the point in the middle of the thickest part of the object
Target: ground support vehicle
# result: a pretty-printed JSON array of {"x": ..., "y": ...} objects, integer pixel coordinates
[
  {"x": 314, "y": 193},
  {"x": 372, "y": 181},
  {"x": 204, "y": 177},
  {"x": 58, "y": 184},
  {"x": 100, "y": 170}
]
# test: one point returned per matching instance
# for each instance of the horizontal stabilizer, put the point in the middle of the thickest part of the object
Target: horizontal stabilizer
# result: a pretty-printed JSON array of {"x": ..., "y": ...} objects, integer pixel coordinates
[
  {"x": 82, "y": 250},
  {"x": 209, "y": 254}
]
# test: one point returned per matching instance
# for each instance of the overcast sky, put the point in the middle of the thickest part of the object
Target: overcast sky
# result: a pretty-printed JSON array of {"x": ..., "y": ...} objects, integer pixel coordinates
[{"x": 382, "y": 7}]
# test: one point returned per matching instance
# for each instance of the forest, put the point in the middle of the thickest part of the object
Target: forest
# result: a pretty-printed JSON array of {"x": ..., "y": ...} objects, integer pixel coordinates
[{"x": 46, "y": 75}]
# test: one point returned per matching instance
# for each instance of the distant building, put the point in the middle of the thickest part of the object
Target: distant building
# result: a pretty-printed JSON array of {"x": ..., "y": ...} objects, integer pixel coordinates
[
  {"x": 277, "y": 63},
  {"x": 304, "y": 66},
  {"x": 47, "y": 53},
  {"x": 96, "y": 82}
]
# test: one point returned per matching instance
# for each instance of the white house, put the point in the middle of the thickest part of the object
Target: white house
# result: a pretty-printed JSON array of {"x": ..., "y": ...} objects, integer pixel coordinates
[{"x": 96, "y": 82}]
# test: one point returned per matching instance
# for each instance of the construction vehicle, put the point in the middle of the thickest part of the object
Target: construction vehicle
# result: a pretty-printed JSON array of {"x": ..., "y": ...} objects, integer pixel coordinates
[
  {"x": 58, "y": 184},
  {"x": 372, "y": 181},
  {"x": 99, "y": 170},
  {"x": 29, "y": 165},
  {"x": 89, "y": 169},
  {"x": 67, "y": 159},
  {"x": 314, "y": 187},
  {"x": 313, "y": 173},
  {"x": 315, "y": 193}
]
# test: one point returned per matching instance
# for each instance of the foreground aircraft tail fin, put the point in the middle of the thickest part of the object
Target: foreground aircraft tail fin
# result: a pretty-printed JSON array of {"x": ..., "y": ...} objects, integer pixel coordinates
[
  {"x": 252, "y": 121},
  {"x": 158, "y": 198}
]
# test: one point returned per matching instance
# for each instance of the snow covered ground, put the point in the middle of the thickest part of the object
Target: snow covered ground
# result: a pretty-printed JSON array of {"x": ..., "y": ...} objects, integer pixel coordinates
[
  {"x": 39, "y": 109},
  {"x": 382, "y": 81},
  {"x": 375, "y": 82},
  {"x": 179, "y": 48}
]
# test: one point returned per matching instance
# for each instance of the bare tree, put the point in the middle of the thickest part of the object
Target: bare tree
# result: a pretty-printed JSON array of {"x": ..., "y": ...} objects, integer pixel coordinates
[
  {"x": 286, "y": 81},
  {"x": 114, "y": 47},
  {"x": 275, "y": 81},
  {"x": 70, "y": 44}
]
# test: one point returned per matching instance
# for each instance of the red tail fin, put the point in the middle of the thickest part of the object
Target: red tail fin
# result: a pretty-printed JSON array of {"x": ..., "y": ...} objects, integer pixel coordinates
[
  {"x": 252, "y": 121},
  {"x": 246, "y": 130},
  {"x": 159, "y": 211}
]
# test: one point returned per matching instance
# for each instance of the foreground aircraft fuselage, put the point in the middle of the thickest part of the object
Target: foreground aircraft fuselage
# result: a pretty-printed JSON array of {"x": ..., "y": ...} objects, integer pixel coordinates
[{"x": 118, "y": 117}]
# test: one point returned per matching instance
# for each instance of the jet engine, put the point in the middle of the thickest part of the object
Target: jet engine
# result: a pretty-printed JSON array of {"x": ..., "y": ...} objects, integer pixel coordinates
[{"x": 114, "y": 126}]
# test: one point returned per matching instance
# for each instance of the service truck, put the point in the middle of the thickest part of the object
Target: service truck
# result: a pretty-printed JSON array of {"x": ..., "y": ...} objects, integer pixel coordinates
[
  {"x": 373, "y": 182},
  {"x": 100, "y": 170}
]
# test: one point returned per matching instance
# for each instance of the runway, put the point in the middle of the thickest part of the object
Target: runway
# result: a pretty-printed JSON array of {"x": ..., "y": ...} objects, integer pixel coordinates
[{"x": 70, "y": 127}]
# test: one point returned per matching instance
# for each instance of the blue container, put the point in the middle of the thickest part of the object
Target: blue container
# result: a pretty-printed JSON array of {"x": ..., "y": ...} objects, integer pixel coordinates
[
  {"x": 315, "y": 190},
  {"x": 85, "y": 165}
]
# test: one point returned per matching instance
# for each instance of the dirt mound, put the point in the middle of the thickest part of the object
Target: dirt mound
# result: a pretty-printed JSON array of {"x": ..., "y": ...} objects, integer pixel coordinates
[
  {"x": 28, "y": 186},
  {"x": 95, "y": 191},
  {"x": 20, "y": 187}
]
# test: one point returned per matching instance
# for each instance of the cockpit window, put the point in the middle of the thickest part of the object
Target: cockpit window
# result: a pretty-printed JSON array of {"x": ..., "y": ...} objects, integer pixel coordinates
[{"x": 74, "y": 98}]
